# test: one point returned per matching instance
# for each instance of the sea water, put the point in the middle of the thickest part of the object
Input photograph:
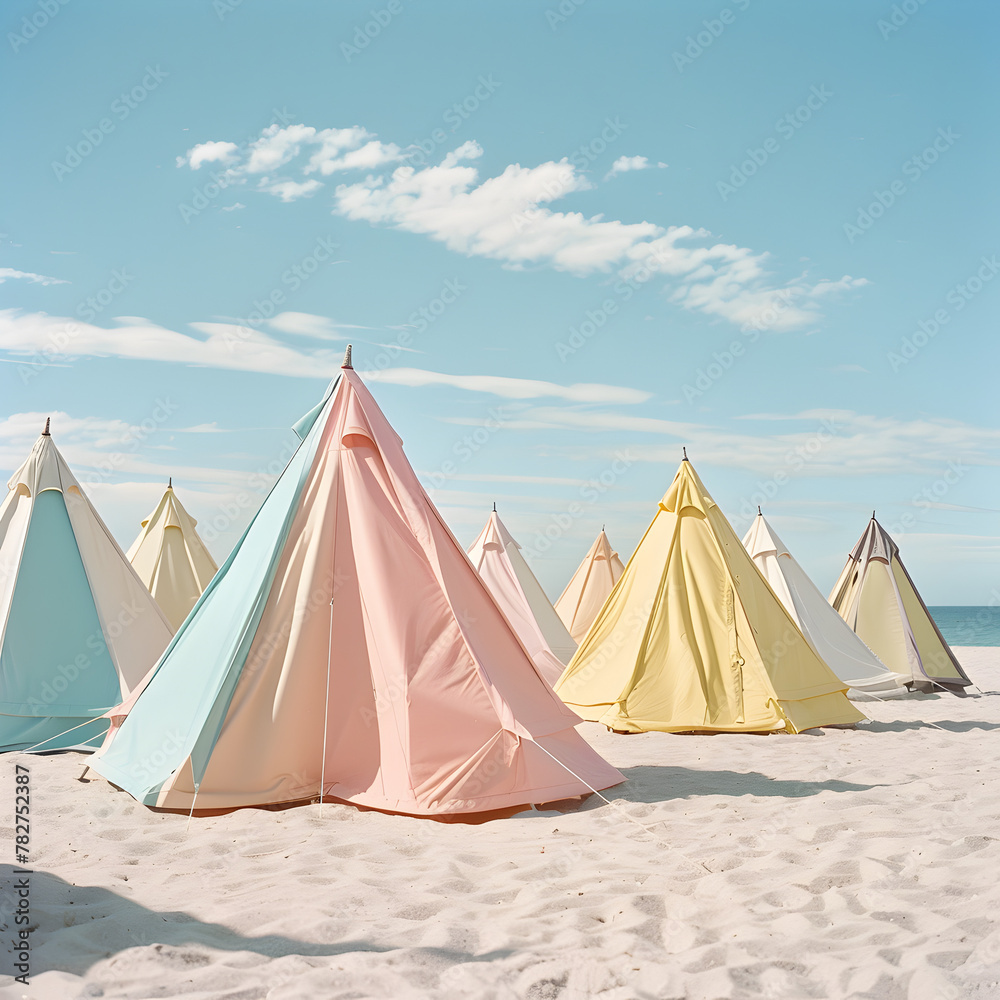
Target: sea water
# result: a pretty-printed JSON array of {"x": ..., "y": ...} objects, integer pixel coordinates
[{"x": 973, "y": 626}]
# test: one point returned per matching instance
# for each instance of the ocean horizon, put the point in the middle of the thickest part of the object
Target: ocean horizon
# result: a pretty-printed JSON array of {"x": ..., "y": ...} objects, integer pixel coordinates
[{"x": 968, "y": 626}]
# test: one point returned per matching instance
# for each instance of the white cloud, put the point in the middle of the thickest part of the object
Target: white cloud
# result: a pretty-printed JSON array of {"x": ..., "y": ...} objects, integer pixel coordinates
[
  {"x": 241, "y": 348},
  {"x": 233, "y": 208},
  {"x": 508, "y": 218},
  {"x": 7, "y": 273},
  {"x": 307, "y": 325},
  {"x": 289, "y": 190},
  {"x": 626, "y": 163},
  {"x": 208, "y": 152}
]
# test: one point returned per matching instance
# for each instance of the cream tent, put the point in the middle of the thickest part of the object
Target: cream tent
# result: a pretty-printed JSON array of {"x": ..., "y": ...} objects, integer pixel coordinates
[
  {"x": 171, "y": 559},
  {"x": 877, "y": 598},
  {"x": 693, "y": 639},
  {"x": 849, "y": 658},
  {"x": 78, "y": 630},
  {"x": 498, "y": 560},
  {"x": 589, "y": 587},
  {"x": 347, "y": 648}
]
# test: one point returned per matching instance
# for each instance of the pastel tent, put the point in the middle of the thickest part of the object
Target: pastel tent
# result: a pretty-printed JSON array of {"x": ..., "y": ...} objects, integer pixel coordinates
[
  {"x": 846, "y": 655},
  {"x": 589, "y": 587},
  {"x": 498, "y": 560},
  {"x": 877, "y": 598},
  {"x": 348, "y": 647},
  {"x": 171, "y": 559},
  {"x": 78, "y": 630},
  {"x": 693, "y": 639}
]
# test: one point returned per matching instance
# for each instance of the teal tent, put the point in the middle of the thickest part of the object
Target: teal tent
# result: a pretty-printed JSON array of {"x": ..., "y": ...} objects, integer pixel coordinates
[{"x": 78, "y": 630}]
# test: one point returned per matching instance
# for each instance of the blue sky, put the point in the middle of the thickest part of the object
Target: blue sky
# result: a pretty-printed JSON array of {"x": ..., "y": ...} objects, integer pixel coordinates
[{"x": 559, "y": 218}]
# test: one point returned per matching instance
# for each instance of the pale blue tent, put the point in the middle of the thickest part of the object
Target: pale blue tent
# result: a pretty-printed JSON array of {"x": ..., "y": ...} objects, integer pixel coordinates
[{"x": 78, "y": 630}]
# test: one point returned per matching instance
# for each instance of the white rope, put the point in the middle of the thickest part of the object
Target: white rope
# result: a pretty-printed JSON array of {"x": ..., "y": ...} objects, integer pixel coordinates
[
  {"x": 326, "y": 706},
  {"x": 58, "y": 735},
  {"x": 623, "y": 812}
]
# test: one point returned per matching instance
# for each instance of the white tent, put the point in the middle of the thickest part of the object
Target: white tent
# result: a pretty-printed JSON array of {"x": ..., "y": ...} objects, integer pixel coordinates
[
  {"x": 498, "y": 560},
  {"x": 78, "y": 630},
  {"x": 589, "y": 587},
  {"x": 832, "y": 638},
  {"x": 171, "y": 559},
  {"x": 877, "y": 598}
]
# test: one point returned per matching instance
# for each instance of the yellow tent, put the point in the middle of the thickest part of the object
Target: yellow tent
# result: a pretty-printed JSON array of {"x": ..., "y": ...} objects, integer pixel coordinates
[
  {"x": 587, "y": 591},
  {"x": 877, "y": 598},
  {"x": 692, "y": 638},
  {"x": 171, "y": 559}
]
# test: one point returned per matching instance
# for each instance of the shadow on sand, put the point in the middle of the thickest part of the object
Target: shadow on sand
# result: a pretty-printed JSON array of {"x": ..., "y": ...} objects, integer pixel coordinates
[{"x": 102, "y": 924}]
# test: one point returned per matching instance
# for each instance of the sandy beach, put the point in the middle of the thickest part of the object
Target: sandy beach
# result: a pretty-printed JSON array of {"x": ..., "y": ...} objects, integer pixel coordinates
[{"x": 833, "y": 864}]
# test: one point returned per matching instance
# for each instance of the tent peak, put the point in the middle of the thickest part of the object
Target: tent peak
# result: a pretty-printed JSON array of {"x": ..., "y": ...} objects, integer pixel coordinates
[
  {"x": 45, "y": 433},
  {"x": 347, "y": 358}
]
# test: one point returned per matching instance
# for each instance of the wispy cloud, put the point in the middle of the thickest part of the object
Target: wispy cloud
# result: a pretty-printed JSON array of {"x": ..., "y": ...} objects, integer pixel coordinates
[
  {"x": 509, "y": 218},
  {"x": 10, "y": 273},
  {"x": 241, "y": 348}
]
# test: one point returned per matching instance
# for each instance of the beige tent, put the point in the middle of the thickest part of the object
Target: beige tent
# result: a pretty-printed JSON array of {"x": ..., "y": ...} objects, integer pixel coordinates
[
  {"x": 692, "y": 638},
  {"x": 589, "y": 587},
  {"x": 498, "y": 561},
  {"x": 171, "y": 559},
  {"x": 877, "y": 598}
]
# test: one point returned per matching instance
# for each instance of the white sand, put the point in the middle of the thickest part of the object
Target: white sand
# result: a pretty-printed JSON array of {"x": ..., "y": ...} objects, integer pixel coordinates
[{"x": 842, "y": 864}]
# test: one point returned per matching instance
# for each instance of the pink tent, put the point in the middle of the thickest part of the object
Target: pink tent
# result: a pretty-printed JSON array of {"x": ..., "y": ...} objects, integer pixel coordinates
[{"x": 347, "y": 647}]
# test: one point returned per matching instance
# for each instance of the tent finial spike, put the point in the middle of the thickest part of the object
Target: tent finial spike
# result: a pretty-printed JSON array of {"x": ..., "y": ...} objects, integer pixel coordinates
[
  {"x": 758, "y": 510},
  {"x": 347, "y": 358},
  {"x": 494, "y": 506},
  {"x": 170, "y": 482},
  {"x": 685, "y": 453},
  {"x": 48, "y": 422},
  {"x": 873, "y": 515}
]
